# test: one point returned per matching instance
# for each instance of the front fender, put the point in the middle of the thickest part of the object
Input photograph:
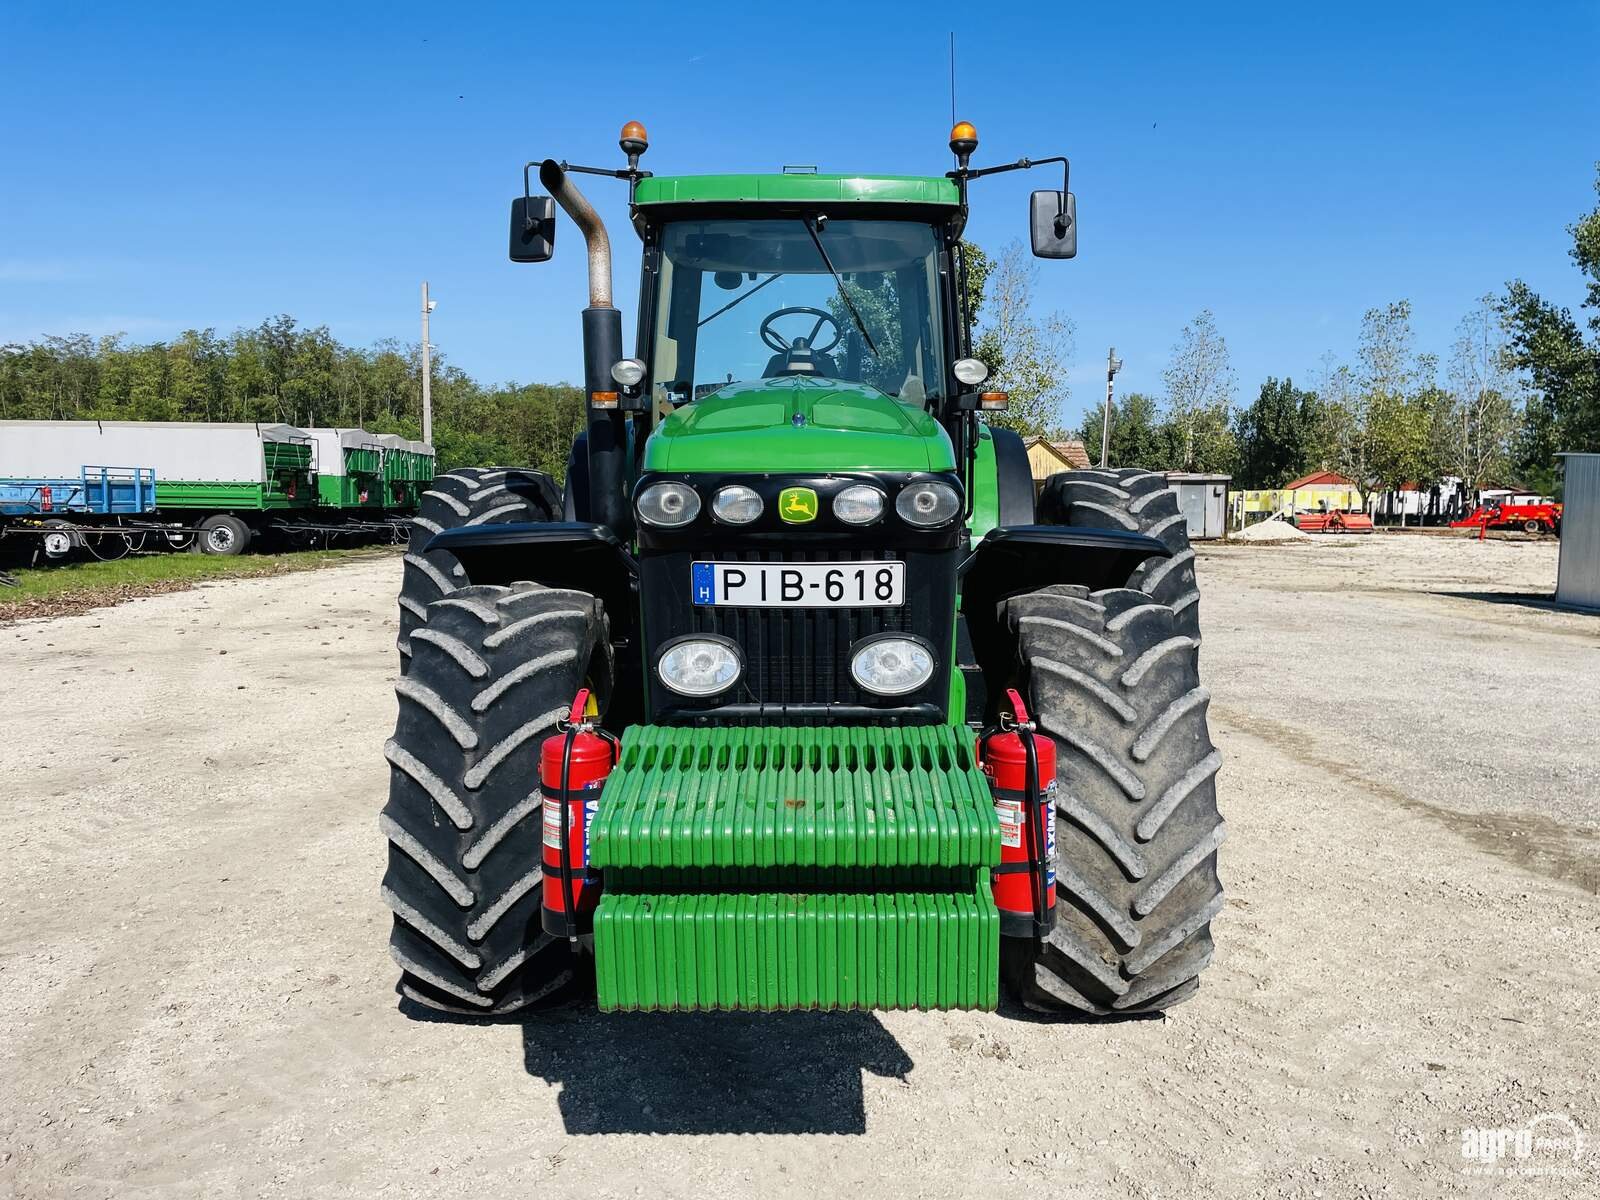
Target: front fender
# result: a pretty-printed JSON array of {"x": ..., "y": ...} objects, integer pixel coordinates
[{"x": 558, "y": 554}]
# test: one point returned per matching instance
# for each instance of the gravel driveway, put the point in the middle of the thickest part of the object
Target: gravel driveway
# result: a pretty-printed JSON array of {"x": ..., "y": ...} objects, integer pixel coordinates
[{"x": 196, "y": 1000}]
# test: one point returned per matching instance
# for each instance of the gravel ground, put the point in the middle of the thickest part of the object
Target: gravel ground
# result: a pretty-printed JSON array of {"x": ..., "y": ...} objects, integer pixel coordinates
[{"x": 195, "y": 998}]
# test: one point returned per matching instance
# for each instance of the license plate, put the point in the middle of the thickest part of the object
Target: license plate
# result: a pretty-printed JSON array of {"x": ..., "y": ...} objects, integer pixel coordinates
[{"x": 799, "y": 585}]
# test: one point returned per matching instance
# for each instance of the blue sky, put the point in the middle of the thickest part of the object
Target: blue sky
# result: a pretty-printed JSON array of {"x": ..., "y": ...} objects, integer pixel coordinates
[{"x": 170, "y": 166}]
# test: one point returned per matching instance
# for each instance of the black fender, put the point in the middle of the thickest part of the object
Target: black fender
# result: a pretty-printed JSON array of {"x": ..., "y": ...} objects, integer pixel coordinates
[
  {"x": 559, "y": 554},
  {"x": 1024, "y": 558},
  {"x": 1013, "y": 477},
  {"x": 575, "y": 495}
]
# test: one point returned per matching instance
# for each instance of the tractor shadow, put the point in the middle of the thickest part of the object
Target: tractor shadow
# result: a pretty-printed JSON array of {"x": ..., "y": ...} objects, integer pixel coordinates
[
  {"x": 698, "y": 1073},
  {"x": 1544, "y": 601}
]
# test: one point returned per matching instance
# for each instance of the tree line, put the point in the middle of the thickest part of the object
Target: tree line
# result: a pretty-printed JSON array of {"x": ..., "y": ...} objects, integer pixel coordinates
[
  {"x": 1521, "y": 383},
  {"x": 280, "y": 371}
]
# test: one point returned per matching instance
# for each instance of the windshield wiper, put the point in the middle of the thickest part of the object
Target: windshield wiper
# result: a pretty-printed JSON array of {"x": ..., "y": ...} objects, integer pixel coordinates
[
  {"x": 816, "y": 240},
  {"x": 741, "y": 299}
]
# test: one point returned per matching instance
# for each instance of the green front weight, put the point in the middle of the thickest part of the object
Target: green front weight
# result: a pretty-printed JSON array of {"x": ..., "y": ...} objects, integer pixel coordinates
[{"x": 796, "y": 868}]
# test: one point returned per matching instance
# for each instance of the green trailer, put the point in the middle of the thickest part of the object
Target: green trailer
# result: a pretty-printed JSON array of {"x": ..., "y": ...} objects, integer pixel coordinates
[
  {"x": 795, "y": 696},
  {"x": 349, "y": 469},
  {"x": 407, "y": 470}
]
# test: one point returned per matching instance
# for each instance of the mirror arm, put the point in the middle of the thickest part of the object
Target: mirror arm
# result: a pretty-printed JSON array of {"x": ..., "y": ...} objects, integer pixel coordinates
[
  {"x": 962, "y": 175},
  {"x": 632, "y": 174},
  {"x": 1022, "y": 164}
]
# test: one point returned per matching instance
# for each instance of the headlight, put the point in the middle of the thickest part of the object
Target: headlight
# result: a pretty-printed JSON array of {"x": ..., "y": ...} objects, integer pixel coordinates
[
  {"x": 700, "y": 666},
  {"x": 630, "y": 371},
  {"x": 970, "y": 370},
  {"x": 860, "y": 504},
  {"x": 668, "y": 504},
  {"x": 891, "y": 666},
  {"x": 928, "y": 503},
  {"x": 736, "y": 504}
]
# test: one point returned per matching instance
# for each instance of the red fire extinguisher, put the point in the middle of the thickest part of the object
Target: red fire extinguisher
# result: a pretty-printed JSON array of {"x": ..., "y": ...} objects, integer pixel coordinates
[
  {"x": 46, "y": 500},
  {"x": 573, "y": 766},
  {"x": 1021, "y": 765}
]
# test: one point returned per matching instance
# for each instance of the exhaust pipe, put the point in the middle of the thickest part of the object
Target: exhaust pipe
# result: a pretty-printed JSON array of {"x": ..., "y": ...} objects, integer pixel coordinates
[
  {"x": 602, "y": 348},
  {"x": 559, "y": 184}
]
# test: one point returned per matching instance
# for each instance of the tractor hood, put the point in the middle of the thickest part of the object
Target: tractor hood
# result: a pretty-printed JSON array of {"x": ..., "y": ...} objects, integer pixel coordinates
[{"x": 799, "y": 423}]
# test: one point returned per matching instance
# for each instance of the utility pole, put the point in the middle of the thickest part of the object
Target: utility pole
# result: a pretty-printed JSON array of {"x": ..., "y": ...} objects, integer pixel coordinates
[
  {"x": 1113, "y": 365},
  {"x": 427, "y": 369}
]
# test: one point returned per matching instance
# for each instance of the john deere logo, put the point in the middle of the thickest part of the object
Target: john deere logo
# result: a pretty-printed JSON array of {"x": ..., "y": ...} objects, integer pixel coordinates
[{"x": 797, "y": 505}]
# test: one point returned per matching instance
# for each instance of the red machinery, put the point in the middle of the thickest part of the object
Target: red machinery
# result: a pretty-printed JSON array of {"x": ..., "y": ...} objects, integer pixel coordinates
[
  {"x": 1336, "y": 521},
  {"x": 1542, "y": 517},
  {"x": 573, "y": 766},
  {"x": 1021, "y": 766}
]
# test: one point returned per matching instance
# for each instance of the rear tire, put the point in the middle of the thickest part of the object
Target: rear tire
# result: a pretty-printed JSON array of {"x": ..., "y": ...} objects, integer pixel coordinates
[
  {"x": 1112, "y": 677},
  {"x": 1136, "y": 501},
  {"x": 493, "y": 670},
  {"x": 223, "y": 535},
  {"x": 465, "y": 496},
  {"x": 61, "y": 544}
]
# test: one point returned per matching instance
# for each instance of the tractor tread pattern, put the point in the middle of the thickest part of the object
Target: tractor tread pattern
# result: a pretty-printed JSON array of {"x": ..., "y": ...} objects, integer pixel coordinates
[
  {"x": 1132, "y": 500},
  {"x": 462, "y": 497},
  {"x": 1137, "y": 828},
  {"x": 464, "y": 818}
]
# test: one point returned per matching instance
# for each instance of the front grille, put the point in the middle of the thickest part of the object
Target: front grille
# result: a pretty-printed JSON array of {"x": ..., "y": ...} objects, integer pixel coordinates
[
  {"x": 802, "y": 656},
  {"x": 797, "y": 656}
]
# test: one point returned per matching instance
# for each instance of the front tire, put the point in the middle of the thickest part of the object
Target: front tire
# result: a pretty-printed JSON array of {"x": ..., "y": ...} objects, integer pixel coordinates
[
  {"x": 1112, "y": 676},
  {"x": 493, "y": 669}
]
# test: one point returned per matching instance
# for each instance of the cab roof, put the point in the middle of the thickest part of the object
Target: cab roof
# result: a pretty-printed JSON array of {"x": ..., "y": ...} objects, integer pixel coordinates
[{"x": 797, "y": 189}]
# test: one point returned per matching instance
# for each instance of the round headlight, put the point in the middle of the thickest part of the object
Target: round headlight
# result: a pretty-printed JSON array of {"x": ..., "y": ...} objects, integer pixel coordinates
[
  {"x": 736, "y": 504},
  {"x": 668, "y": 504},
  {"x": 970, "y": 370},
  {"x": 859, "y": 504},
  {"x": 630, "y": 371},
  {"x": 700, "y": 666},
  {"x": 891, "y": 666},
  {"x": 928, "y": 503}
]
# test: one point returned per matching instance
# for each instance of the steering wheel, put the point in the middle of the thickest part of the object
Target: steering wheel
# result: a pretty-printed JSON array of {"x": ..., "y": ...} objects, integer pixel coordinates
[{"x": 776, "y": 341}]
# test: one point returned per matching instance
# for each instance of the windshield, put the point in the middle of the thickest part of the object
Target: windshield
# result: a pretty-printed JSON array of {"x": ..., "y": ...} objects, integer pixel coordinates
[{"x": 749, "y": 299}]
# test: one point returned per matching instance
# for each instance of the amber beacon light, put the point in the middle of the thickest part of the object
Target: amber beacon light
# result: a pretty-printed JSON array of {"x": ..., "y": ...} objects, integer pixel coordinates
[{"x": 963, "y": 141}]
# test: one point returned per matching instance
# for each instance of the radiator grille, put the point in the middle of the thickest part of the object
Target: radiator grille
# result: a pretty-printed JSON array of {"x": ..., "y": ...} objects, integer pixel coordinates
[{"x": 802, "y": 656}]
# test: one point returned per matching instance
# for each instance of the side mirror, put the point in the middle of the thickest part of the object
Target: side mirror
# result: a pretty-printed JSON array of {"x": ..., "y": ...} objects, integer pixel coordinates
[
  {"x": 1053, "y": 219},
  {"x": 533, "y": 229}
]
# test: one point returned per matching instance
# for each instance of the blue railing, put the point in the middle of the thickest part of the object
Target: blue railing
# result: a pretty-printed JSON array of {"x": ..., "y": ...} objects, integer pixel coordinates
[{"x": 107, "y": 490}]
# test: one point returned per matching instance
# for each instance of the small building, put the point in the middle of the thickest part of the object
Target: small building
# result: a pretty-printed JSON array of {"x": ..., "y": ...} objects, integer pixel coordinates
[
  {"x": 1320, "y": 491},
  {"x": 1578, "y": 576},
  {"x": 1045, "y": 458},
  {"x": 1203, "y": 500}
]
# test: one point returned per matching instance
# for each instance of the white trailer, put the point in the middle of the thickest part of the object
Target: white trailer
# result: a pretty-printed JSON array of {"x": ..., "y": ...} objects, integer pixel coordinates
[{"x": 178, "y": 451}]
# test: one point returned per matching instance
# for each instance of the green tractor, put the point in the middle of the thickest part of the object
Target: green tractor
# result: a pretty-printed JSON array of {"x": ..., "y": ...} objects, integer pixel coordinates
[{"x": 796, "y": 694}]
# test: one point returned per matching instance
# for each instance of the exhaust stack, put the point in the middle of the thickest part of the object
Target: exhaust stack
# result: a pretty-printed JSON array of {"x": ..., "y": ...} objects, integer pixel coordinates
[
  {"x": 602, "y": 349},
  {"x": 559, "y": 184}
]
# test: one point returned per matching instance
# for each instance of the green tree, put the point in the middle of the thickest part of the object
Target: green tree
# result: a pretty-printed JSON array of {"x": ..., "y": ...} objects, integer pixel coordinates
[
  {"x": 1028, "y": 355},
  {"x": 1276, "y": 435},
  {"x": 1200, "y": 385},
  {"x": 1476, "y": 417},
  {"x": 1562, "y": 365},
  {"x": 1139, "y": 438}
]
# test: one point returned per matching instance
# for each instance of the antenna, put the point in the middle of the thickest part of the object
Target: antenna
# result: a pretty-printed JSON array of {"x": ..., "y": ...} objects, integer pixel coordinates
[{"x": 953, "y": 77}]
